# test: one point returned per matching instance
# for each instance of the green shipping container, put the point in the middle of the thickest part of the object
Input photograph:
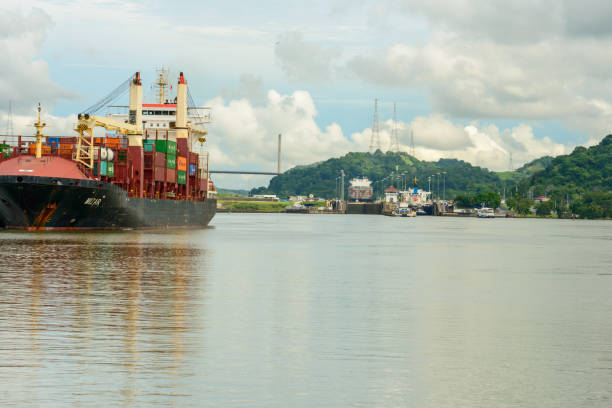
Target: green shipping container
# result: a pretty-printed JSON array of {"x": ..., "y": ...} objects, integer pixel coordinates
[
  {"x": 110, "y": 169},
  {"x": 181, "y": 177},
  {"x": 103, "y": 168},
  {"x": 170, "y": 161},
  {"x": 95, "y": 169},
  {"x": 121, "y": 156},
  {"x": 165, "y": 146}
]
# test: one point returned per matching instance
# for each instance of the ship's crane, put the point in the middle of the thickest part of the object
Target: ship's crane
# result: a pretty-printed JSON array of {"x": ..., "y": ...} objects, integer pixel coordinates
[{"x": 132, "y": 128}]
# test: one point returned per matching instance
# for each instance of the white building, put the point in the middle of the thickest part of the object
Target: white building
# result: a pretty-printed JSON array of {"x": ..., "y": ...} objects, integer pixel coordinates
[{"x": 391, "y": 195}]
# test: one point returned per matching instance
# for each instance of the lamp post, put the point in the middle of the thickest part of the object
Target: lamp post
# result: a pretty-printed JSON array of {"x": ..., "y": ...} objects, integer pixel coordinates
[
  {"x": 438, "y": 174},
  {"x": 342, "y": 185},
  {"x": 433, "y": 193},
  {"x": 444, "y": 183}
]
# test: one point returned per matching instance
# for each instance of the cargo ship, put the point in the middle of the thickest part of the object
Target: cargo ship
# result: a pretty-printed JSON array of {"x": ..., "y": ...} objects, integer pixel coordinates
[
  {"x": 144, "y": 172},
  {"x": 360, "y": 189}
]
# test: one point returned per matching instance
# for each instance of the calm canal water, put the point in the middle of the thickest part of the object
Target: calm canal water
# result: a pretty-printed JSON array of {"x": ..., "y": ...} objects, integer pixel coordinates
[{"x": 311, "y": 311}]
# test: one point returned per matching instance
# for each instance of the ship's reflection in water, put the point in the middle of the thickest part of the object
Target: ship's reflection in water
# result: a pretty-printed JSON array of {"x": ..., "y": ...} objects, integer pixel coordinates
[{"x": 99, "y": 318}]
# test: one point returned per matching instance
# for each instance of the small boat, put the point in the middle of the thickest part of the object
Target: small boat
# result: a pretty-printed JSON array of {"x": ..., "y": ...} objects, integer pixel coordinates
[
  {"x": 296, "y": 209},
  {"x": 404, "y": 212},
  {"x": 485, "y": 212}
]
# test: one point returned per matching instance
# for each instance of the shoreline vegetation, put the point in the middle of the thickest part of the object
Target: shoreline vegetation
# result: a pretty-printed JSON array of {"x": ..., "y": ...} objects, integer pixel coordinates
[{"x": 236, "y": 206}]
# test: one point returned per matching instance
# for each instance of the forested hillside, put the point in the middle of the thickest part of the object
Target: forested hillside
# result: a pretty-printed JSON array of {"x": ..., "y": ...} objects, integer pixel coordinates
[
  {"x": 583, "y": 179},
  {"x": 384, "y": 169}
]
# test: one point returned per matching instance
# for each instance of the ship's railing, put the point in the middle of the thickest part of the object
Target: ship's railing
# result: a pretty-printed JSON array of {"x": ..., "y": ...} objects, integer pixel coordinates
[{"x": 20, "y": 144}]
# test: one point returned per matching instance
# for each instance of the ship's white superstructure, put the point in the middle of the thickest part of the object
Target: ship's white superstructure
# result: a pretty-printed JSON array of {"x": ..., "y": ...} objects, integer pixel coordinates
[
  {"x": 416, "y": 197},
  {"x": 161, "y": 117},
  {"x": 360, "y": 189}
]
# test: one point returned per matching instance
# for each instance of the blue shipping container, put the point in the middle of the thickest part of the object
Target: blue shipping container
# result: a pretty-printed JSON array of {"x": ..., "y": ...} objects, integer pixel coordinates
[
  {"x": 148, "y": 147},
  {"x": 192, "y": 169},
  {"x": 103, "y": 168}
]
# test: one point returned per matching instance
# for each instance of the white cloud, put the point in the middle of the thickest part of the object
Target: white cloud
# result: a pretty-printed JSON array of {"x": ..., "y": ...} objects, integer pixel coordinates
[
  {"x": 520, "y": 60},
  {"x": 247, "y": 134},
  {"x": 302, "y": 60},
  {"x": 24, "y": 77},
  {"x": 56, "y": 125},
  {"x": 487, "y": 146}
]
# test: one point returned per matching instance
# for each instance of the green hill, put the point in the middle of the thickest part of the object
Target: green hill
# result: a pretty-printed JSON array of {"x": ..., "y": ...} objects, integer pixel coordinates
[
  {"x": 581, "y": 171},
  {"x": 384, "y": 169},
  {"x": 526, "y": 170},
  {"x": 582, "y": 178}
]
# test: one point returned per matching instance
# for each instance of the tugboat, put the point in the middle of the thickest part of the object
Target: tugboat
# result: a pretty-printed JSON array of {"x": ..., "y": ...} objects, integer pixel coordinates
[{"x": 144, "y": 174}]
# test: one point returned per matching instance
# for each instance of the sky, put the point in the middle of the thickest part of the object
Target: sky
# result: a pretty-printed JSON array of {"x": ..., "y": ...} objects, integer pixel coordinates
[{"x": 474, "y": 80}]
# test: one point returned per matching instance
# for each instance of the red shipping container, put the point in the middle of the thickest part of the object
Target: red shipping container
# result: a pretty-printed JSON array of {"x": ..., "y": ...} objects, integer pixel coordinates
[
  {"x": 159, "y": 173},
  {"x": 148, "y": 160},
  {"x": 193, "y": 158},
  {"x": 160, "y": 159},
  {"x": 120, "y": 172},
  {"x": 171, "y": 175}
]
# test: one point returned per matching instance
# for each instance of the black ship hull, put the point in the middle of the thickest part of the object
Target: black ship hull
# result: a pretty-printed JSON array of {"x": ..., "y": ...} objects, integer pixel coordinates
[{"x": 47, "y": 203}]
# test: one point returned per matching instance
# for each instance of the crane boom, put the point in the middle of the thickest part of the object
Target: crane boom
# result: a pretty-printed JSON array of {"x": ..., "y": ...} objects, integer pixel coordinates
[{"x": 133, "y": 128}]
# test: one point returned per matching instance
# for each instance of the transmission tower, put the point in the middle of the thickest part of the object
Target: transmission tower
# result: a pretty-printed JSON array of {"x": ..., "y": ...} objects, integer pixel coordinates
[
  {"x": 394, "y": 145},
  {"x": 375, "y": 138},
  {"x": 412, "y": 143},
  {"x": 9, "y": 120}
]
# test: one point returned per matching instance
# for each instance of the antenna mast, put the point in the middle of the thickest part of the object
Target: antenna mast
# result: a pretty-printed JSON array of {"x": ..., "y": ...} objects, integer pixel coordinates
[
  {"x": 394, "y": 145},
  {"x": 39, "y": 135},
  {"x": 375, "y": 139},
  {"x": 161, "y": 84},
  {"x": 412, "y": 144},
  {"x": 510, "y": 163}
]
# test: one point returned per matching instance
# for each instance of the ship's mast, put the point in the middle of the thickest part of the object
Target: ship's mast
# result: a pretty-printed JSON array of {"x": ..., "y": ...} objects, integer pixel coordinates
[
  {"x": 161, "y": 84},
  {"x": 39, "y": 127}
]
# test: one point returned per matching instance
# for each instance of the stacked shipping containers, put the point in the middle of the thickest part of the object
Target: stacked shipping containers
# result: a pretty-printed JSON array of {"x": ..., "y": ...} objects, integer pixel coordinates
[{"x": 181, "y": 166}]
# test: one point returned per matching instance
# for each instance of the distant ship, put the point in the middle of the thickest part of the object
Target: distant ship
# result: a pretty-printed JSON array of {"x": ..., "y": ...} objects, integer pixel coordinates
[
  {"x": 360, "y": 189},
  {"x": 144, "y": 175}
]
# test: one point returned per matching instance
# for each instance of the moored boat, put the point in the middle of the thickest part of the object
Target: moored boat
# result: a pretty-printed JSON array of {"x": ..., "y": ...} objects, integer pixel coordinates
[{"x": 485, "y": 212}]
